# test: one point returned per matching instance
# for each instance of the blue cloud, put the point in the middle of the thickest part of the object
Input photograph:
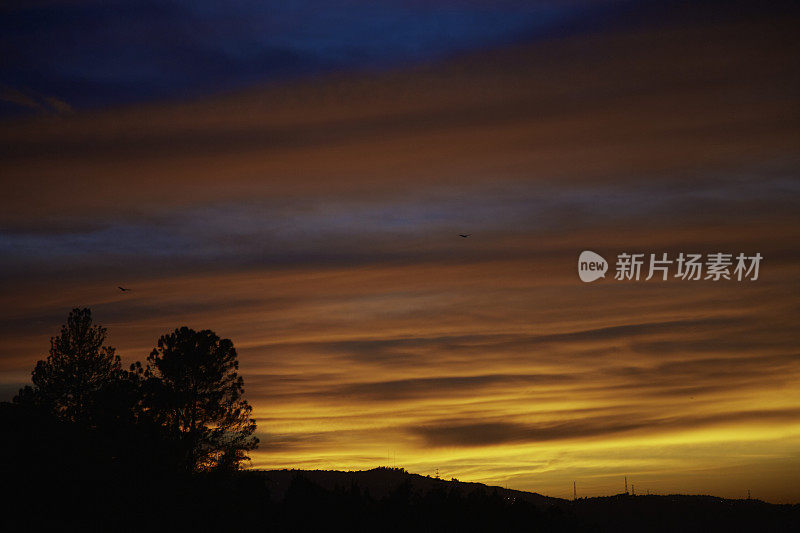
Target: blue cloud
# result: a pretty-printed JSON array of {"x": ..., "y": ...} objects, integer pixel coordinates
[{"x": 95, "y": 53}]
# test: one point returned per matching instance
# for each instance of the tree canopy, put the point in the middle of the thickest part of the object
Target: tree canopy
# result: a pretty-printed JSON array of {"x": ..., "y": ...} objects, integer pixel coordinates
[
  {"x": 78, "y": 371},
  {"x": 185, "y": 408},
  {"x": 198, "y": 394}
]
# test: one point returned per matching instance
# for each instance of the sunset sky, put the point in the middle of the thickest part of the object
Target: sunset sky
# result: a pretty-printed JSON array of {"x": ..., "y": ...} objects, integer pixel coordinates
[{"x": 295, "y": 176}]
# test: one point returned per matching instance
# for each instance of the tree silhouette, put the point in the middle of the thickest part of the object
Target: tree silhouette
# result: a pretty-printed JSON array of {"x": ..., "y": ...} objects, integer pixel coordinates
[
  {"x": 79, "y": 371},
  {"x": 194, "y": 390}
]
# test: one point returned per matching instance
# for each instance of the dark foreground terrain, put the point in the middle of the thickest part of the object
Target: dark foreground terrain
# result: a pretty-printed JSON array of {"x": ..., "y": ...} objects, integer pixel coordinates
[{"x": 381, "y": 499}]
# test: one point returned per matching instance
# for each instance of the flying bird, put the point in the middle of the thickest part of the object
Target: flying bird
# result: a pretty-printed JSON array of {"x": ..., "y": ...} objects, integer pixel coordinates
[
  {"x": 465, "y": 235},
  {"x": 123, "y": 289}
]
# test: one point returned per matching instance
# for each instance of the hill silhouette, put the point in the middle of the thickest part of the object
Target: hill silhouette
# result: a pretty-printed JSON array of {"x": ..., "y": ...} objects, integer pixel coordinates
[
  {"x": 380, "y": 499},
  {"x": 391, "y": 499},
  {"x": 382, "y": 482}
]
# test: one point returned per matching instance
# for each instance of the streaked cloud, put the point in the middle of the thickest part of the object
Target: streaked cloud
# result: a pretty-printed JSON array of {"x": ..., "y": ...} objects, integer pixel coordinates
[{"x": 316, "y": 225}]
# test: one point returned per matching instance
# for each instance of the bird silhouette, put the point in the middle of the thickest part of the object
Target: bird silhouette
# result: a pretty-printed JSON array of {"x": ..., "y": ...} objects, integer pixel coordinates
[
  {"x": 465, "y": 235},
  {"x": 123, "y": 289}
]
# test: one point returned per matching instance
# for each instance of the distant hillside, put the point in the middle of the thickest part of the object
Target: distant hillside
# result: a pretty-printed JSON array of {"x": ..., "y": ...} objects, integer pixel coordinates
[
  {"x": 413, "y": 503},
  {"x": 381, "y": 482},
  {"x": 114, "y": 498}
]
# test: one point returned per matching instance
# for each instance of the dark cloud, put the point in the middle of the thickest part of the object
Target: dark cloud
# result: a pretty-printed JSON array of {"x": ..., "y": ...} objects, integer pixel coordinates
[
  {"x": 494, "y": 433},
  {"x": 272, "y": 442},
  {"x": 441, "y": 387},
  {"x": 446, "y": 434},
  {"x": 100, "y": 53},
  {"x": 412, "y": 349}
]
